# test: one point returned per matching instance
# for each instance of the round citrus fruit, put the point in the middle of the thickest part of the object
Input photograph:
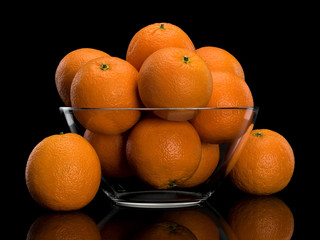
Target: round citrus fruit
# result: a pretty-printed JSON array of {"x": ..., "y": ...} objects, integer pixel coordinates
[
  {"x": 63, "y": 172},
  {"x": 198, "y": 222},
  {"x": 163, "y": 153},
  {"x": 69, "y": 66},
  {"x": 265, "y": 165},
  {"x": 220, "y": 60},
  {"x": 176, "y": 78},
  {"x": 224, "y": 125},
  {"x": 106, "y": 82},
  {"x": 111, "y": 150},
  {"x": 208, "y": 163},
  {"x": 154, "y": 37},
  {"x": 261, "y": 218},
  {"x": 65, "y": 225}
]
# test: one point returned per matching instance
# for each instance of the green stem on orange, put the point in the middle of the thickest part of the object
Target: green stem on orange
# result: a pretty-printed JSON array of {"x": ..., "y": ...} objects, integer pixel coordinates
[
  {"x": 258, "y": 134},
  {"x": 172, "y": 228},
  {"x": 61, "y": 133},
  {"x": 172, "y": 183},
  {"x": 162, "y": 26},
  {"x": 104, "y": 67},
  {"x": 186, "y": 59}
]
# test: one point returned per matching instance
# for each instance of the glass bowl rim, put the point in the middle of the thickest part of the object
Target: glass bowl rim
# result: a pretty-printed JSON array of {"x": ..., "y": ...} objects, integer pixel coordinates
[{"x": 255, "y": 108}]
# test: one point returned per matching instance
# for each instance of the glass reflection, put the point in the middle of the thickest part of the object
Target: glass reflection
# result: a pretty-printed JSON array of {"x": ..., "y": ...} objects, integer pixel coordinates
[
  {"x": 202, "y": 222},
  {"x": 251, "y": 217}
]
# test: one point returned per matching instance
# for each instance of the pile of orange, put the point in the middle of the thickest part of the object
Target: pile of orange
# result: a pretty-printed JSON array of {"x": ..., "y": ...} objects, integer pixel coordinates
[{"x": 166, "y": 149}]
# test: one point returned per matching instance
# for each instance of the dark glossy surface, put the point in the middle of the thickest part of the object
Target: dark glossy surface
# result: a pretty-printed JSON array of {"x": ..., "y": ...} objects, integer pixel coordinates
[
  {"x": 265, "y": 40},
  {"x": 215, "y": 214}
]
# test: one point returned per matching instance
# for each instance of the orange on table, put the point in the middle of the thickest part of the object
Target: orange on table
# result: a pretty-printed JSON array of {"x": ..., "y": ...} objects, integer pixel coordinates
[
  {"x": 224, "y": 125},
  {"x": 261, "y": 218},
  {"x": 154, "y": 37},
  {"x": 63, "y": 172},
  {"x": 208, "y": 163},
  {"x": 111, "y": 150},
  {"x": 69, "y": 66},
  {"x": 199, "y": 223},
  {"x": 174, "y": 77},
  {"x": 163, "y": 153},
  {"x": 165, "y": 230},
  {"x": 219, "y": 59},
  {"x": 107, "y": 82},
  {"x": 266, "y": 164},
  {"x": 64, "y": 225}
]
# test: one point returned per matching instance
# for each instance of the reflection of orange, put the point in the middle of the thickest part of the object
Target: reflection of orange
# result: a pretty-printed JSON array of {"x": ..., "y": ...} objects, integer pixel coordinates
[
  {"x": 227, "y": 229},
  {"x": 154, "y": 37},
  {"x": 58, "y": 226},
  {"x": 220, "y": 60},
  {"x": 106, "y": 82},
  {"x": 111, "y": 150},
  {"x": 224, "y": 125},
  {"x": 261, "y": 218},
  {"x": 266, "y": 164},
  {"x": 208, "y": 163},
  {"x": 163, "y": 153},
  {"x": 63, "y": 172},
  {"x": 165, "y": 230},
  {"x": 199, "y": 223},
  {"x": 69, "y": 66}
]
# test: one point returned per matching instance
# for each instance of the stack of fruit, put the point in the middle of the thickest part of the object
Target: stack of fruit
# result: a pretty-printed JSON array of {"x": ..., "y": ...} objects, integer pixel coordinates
[{"x": 162, "y": 70}]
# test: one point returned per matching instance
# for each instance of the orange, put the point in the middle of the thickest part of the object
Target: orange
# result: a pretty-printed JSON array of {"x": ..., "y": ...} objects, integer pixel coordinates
[
  {"x": 165, "y": 230},
  {"x": 154, "y": 37},
  {"x": 65, "y": 225},
  {"x": 234, "y": 150},
  {"x": 162, "y": 153},
  {"x": 266, "y": 164},
  {"x": 225, "y": 125},
  {"x": 111, "y": 150},
  {"x": 69, "y": 66},
  {"x": 63, "y": 172},
  {"x": 220, "y": 60},
  {"x": 261, "y": 218},
  {"x": 174, "y": 77},
  {"x": 106, "y": 82},
  {"x": 208, "y": 163},
  {"x": 198, "y": 222}
]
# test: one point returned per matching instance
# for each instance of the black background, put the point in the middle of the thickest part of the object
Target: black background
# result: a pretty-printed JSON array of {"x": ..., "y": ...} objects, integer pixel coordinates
[{"x": 263, "y": 39}]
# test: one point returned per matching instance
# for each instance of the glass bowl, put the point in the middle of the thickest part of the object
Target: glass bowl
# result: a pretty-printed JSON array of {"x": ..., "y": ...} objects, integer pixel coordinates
[{"x": 227, "y": 128}]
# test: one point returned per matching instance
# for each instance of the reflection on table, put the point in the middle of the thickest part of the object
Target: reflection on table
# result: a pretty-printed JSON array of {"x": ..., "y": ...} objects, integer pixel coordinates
[{"x": 249, "y": 218}]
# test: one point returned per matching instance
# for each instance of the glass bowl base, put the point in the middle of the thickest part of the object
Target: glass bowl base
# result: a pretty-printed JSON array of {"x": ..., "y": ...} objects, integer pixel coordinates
[{"x": 158, "y": 199}]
